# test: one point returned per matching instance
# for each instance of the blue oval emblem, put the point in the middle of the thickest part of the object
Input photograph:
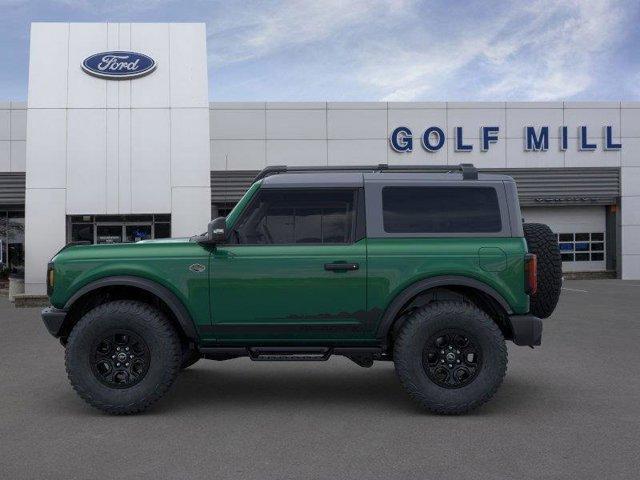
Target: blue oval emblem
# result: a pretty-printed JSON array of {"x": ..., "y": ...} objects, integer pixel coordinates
[{"x": 118, "y": 65}]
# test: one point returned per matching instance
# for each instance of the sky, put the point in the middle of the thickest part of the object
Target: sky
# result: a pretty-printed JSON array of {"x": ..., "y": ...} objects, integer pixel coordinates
[{"x": 377, "y": 50}]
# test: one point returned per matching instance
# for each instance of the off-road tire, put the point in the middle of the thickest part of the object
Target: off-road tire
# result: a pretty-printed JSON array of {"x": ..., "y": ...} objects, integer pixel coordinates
[
  {"x": 543, "y": 243},
  {"x": 147, "y": 323},
  {"x": 428, "y": 321},
  {"x": 189, "y": 357}
]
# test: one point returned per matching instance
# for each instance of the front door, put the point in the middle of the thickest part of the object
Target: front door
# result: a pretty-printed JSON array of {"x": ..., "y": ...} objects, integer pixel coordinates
[{"x": 293, "y": 269}]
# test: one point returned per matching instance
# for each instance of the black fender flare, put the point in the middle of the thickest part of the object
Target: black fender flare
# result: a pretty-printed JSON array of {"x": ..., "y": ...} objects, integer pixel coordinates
[
  {"x": 427, "y": 284},
  {"x": 167, "y": 296}
]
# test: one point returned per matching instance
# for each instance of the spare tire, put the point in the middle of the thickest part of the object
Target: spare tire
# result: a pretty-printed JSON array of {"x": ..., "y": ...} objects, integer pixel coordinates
[{"x": 542, "y": 242}]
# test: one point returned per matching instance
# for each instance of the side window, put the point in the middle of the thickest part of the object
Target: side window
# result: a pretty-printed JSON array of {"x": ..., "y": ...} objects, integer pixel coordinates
[
  {"x": 436, "y": 209},
  {"x": 284, "y": 217}
]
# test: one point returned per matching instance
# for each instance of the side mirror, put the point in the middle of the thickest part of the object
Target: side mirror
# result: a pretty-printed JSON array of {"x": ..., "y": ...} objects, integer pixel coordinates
[{"x": 217, "y": 230}]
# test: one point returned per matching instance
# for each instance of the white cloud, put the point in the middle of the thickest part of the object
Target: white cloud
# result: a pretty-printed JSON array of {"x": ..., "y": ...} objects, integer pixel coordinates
[
  {"x": 258, "y": 30},
  {"x": 546, "y": 50}
]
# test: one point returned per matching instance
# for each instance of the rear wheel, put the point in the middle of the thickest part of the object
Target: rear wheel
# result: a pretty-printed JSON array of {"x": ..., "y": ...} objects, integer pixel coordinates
[
  {"x": 450, "y": 357},
  {"x": 543, "y": 243},
  {"x": 122, "y": 356}
]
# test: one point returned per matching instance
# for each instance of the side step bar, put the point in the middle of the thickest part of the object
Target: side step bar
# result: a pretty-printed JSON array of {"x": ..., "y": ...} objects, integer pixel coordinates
[
  {"x": 289, "y": 354},
  {"x": 292, "y": 354}
]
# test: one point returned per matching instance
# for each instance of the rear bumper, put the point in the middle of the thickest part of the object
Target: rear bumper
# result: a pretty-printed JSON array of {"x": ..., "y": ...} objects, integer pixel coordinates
[
  {"x": 527, "y": 330},
  {"x": 54, "y": 320}
]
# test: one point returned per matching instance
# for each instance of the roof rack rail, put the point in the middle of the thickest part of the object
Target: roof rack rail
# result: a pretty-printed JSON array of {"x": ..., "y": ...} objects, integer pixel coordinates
[{"x": 469, "y": 172}]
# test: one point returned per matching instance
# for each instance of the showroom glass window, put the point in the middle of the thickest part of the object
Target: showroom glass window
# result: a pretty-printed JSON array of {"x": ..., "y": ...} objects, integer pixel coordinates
[
  {"x": 289, "y": 217},
  {"x": 118, "y": 228},
  {"x": 435, "y": 209},
  {"x": 11, "y": 242}
]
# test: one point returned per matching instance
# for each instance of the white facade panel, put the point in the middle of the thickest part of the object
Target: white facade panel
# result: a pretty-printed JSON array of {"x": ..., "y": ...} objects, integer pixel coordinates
[
  {"x": 18, "y": 156},
  {"x": 124, "y": 86},
  {"x": 598, "y": 158},
  {"x": 631, "y": 239},
  {"x": 592, "y": 118},
  {"x": 153, "y": 90},
  {"x": 5, "y": 124},
  {"x": 418, "y": 120},
  {"x": 630, "y": 122},
  {"x": 471, "y": 119},
  {"x": 297, "y": 152},
  {"x": 188, "y": 56},
  {"x": 357, "y": 152},
  {"x": 150, "y": 161},
  {"x": 296, "y": 124},
  {"x": 630, "y": 267},
  {"x": 238, "y": 154},
  {"x": 5, "y": 156},
  {"x": 85, "y": 91},
  {"x": 124, "y": 161},
  {"x": 86, "y": 161},
  {"x": 44, "y": 233},
  {"x": 517, "y": 157},
  {"x": 111, "y": 161},
  {"x": 190, "y": 164},
  {"x": 187, "y": 221},
  {"x": 519, "y": 118},
  {"x": 356, "y": 124},
  {"x": 630, "y": 181},
  {"x": 47, "y": 148},
  {"x": 18, "y": 124},
  {"x": 630, "y": 154},
  {"x": 48, "y": 65},
  {"x": 494, "y": 157},
  {"x": 238, "y": 124}
]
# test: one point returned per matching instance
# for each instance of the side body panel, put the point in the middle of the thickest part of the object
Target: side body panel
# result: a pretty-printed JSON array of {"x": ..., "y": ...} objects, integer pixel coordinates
[
  {"x": 163, "y": 262},
  {"x": 263, "y": 293},
  {"x": 396, "y": 263}
]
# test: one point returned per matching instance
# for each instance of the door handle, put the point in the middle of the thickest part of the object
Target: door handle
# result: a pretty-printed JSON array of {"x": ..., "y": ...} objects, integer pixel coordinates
[{"x": 341, "y": 267}]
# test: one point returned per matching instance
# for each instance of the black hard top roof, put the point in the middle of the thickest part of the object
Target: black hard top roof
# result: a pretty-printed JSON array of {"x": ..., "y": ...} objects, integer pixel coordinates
[{"x": 356, "y": 176}]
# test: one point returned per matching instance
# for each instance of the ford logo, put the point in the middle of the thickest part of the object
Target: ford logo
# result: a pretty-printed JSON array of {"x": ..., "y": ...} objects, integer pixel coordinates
[{"x": 118, "y": 65}]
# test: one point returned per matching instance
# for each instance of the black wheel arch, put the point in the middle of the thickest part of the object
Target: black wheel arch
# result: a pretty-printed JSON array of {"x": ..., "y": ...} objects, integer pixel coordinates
[
  {"x": 477, "y": 292},
  {"x": 153, "y": 290}
]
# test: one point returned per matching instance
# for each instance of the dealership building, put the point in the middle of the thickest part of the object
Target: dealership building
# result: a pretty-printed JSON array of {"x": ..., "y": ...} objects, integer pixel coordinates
[{"x": 118, "y": 142}]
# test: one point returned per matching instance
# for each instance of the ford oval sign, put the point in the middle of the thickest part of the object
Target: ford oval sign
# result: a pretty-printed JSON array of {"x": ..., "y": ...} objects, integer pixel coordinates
[{"x": 118, "y": 65}]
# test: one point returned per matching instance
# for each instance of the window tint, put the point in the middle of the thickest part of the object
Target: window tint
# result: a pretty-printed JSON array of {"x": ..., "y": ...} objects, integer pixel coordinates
[
  {"x": 440, "y": 210},
  {"x": 281, "y": 217}
]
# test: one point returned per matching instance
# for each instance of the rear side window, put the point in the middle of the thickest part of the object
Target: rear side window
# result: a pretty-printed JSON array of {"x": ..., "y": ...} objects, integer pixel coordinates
[
  {"x": 284, "y": 217},
  {"x": 436, "y": 209}
]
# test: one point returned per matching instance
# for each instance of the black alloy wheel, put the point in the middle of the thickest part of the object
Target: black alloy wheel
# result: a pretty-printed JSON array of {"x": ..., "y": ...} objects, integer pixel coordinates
[
  {"x": 120, "y": 359},
  {"x": 452, "y": 358}
]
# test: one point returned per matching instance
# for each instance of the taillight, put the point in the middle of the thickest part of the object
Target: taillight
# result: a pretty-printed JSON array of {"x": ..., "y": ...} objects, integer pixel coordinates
[
  {"x": 50, "y": 278},
  {"x": 530, "y": 274}
]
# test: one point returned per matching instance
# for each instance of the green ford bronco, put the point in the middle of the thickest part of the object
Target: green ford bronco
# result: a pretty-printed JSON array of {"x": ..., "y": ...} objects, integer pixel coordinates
[{"x": 430, "y": 269}]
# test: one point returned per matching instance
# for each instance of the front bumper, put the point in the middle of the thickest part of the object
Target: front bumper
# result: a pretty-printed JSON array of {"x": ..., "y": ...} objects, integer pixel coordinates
[
  {"x": 527, "y": 330},
  {"x": 54, "y": 320}
]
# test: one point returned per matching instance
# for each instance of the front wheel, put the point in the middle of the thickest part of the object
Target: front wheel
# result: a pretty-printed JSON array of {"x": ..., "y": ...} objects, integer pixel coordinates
[
  {"x": 450, "y": 357},
  {"x": 122, "y": 356}
]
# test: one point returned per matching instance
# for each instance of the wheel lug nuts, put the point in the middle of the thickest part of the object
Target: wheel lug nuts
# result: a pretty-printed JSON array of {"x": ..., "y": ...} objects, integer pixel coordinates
[
  {"x": 127, "y": 349},
  {"x": 457, "y": 361},
  {"x": 118, "y": 348},
  {"x": 441, "y": 351},
  {"x": 126, "y": 364},
  {"x": 457, "y": 351},
  {"x": 441, "y": 361},
  {"x": 450, "y": 365},
  {"x": 113, "y": 356},
  {"x": 117, "y": 364}
]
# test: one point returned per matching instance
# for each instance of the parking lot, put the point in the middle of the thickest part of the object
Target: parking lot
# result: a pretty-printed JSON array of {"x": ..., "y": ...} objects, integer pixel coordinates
[{"x": 569, "y": 409}]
